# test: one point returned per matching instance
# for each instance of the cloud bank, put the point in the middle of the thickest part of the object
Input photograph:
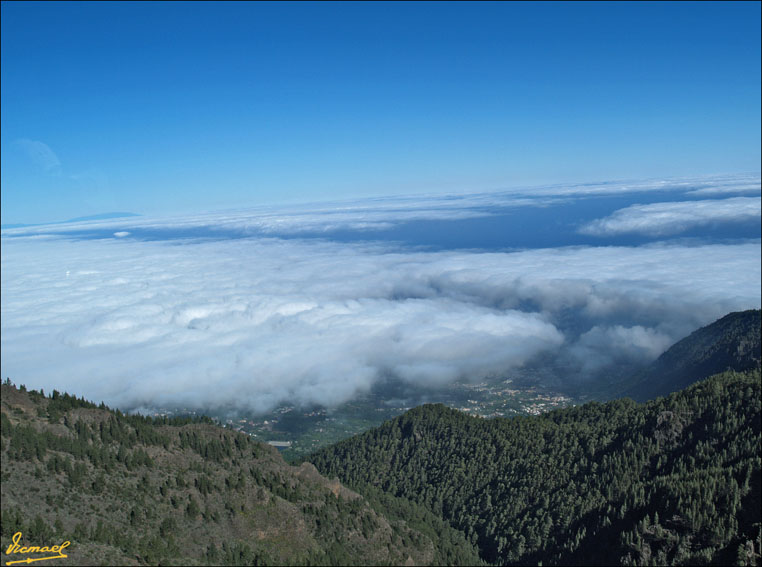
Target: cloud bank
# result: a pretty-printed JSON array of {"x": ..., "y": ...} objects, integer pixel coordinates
[
  {"x": 252, "y": 323},
  {"x": 660, "y": 219}
]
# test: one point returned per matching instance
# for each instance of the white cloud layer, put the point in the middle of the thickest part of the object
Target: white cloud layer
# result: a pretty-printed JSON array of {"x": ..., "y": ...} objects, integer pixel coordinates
[
  {"x": 660, "y": 219},
  {"x": 251, "y": 323}
]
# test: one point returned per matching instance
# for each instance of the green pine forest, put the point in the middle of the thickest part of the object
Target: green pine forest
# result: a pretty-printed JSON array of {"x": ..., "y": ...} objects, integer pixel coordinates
[{"x": 672, "y": 481}]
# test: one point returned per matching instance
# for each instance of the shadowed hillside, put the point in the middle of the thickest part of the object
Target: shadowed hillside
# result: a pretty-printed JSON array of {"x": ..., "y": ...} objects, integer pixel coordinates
[
  {"x": 673, "y": 481},
  {"x": 730, "y": 343}
]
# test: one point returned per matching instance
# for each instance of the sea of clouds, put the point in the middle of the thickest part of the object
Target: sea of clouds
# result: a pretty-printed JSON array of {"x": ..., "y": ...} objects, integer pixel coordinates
[{"x": 246, "y": 310}]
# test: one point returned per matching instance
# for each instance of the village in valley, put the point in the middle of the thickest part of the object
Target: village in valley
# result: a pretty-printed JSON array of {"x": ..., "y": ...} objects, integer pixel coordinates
[{"x": 298, "y": 431}]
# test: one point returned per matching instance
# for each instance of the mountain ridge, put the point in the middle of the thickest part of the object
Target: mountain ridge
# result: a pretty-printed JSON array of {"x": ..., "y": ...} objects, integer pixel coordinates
[{"x": 729, "y": 343}]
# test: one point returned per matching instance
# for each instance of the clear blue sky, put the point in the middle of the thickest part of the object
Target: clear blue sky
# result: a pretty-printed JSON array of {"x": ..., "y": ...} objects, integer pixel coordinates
[{"x": 161, "y": 108}]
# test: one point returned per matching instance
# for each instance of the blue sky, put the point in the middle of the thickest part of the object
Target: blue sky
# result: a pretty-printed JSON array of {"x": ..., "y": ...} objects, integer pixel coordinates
[{"x": 167, "y": 108}]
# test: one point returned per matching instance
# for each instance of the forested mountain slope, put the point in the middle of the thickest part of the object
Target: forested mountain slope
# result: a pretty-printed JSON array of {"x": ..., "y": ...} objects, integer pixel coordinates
[
  {"x": 673, "y": 481},
  {"x": 730, "y": 343},
  {"x": 132, "y": 490}
]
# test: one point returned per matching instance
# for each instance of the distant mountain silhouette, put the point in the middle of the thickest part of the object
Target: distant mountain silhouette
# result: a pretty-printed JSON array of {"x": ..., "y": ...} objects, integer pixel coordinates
[
  {"x": 730, "y": 343},
  {"x": 101, "y": 216}
]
